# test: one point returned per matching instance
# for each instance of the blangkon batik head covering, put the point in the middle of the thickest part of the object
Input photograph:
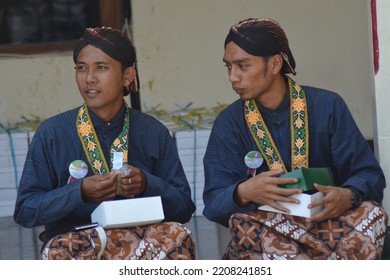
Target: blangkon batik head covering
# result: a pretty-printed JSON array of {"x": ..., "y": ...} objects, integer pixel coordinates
[
  {"x": 262, "y": 37},
  {"x": 112, "y": 42}
]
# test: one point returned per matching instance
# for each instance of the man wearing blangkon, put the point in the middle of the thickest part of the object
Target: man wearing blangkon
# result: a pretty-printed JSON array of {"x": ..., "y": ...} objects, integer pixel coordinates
[
  {"x": 293, "y": 127},
  {"x": 69, "y": 167}
]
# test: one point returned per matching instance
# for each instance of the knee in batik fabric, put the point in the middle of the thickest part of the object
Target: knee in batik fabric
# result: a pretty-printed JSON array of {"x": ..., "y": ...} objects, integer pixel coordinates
[
  {"x": 364, "y": 232},
  {"x": 162, "y": 241},
  {"x": 77, "y": 245},
  {"x": 251, "y": 239},
  {"x": 357, "y": 234}
]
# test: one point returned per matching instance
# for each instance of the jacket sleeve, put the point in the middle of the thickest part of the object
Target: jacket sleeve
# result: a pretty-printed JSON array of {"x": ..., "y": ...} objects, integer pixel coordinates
[
  {"x": 153, "y": 149},
  {"x": 224, "y": 169},
  {"x": 169, "y": 181},
  {"x": 354, "y": 163},
  {"x": 40, "y": 199}
]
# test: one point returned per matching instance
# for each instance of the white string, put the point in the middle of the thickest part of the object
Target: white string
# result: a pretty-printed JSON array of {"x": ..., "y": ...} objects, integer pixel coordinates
[
  {"x": 103, "y": 241},
  {"x": 126, "y": 29}
]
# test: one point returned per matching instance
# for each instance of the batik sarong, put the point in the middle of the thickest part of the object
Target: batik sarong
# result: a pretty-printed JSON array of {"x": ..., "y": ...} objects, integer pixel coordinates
[
  {"x": 162, "y": 241},
  {"x": 358, "y": 234}
]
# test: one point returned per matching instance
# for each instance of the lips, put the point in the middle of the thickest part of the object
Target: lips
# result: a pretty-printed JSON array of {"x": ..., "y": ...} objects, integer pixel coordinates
[
  {"x": 238, "y": 90},
  {"x": 91, "y": 92}
]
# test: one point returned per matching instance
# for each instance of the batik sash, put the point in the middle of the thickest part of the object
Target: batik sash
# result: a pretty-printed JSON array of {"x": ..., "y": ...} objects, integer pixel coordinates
[
  {"x": 299, "y": 131},
  {"x": 91, "y": 144}
]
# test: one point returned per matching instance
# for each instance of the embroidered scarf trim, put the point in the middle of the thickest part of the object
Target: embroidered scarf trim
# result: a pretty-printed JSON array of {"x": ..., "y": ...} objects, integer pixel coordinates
[
  {"x": 91, "y": 144},
  {"x": 299, "y": 131}
]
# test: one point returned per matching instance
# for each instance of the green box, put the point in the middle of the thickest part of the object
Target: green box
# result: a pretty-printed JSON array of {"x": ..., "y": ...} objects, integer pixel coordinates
[{"x": 307, "y": 177}]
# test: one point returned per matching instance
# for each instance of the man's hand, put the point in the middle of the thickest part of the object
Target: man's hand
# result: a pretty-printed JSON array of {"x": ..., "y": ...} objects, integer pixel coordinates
[
  {"x": 336, "y": 201},
  {"x": 98, "y": 188},
  {"x": 263, "y": 189},
  {"x": 133, "y": 183}
]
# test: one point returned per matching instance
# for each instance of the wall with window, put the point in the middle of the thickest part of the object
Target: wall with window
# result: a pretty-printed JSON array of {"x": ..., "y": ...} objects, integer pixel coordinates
[
  {"x": 180, "y": 48},
  {"x": 36, "y": 42},
  {"x": 37, "y": 21}
]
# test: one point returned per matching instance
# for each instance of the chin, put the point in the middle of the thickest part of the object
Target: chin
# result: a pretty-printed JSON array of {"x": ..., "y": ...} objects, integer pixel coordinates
[
  {"x": 245, "y": 98},
  {"x": 93, "y": 103}
]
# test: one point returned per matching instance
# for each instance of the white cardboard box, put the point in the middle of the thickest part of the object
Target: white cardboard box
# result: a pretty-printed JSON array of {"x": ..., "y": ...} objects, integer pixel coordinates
[
  {"x": 298, "y": 209},
  {"x": 129, "y": 212}
]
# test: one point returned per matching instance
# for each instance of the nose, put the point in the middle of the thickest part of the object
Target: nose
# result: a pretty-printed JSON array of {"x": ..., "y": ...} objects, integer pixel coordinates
[
  {"x": 91, "y": 77},
  {"x": 233, "y": 75}
]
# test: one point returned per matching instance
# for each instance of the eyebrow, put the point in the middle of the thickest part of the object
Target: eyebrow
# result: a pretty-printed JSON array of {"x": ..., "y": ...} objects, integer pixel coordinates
[
  {"x": 240, "y": 60},
  {"x": 96, "y": 63}
]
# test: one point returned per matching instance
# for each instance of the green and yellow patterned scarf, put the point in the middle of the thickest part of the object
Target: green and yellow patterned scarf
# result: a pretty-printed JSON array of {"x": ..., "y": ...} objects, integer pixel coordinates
[
  {"x": 91, "y": 144},
  {"x": 299, "y": 131}
]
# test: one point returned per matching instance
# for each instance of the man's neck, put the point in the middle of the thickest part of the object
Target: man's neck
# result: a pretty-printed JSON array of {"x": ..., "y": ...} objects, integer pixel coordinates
[
  {"x": 274, "y": 97},
  {"x": 106, "y": 115}
]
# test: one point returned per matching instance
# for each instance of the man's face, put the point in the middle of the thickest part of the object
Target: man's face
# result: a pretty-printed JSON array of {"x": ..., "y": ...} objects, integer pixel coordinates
[
  {"x": 100, "y": 80},
  {"x": 250, "y": 76}
]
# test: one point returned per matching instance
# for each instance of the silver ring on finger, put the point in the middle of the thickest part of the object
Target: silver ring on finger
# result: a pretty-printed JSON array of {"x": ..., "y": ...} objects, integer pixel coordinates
[{"x": 130, "y": 181}]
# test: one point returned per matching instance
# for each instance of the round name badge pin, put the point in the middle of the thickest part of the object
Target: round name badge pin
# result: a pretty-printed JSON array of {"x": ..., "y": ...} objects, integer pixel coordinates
[
  {"x": 253, "y": 159},
  {"x": 78, "y": 169}
]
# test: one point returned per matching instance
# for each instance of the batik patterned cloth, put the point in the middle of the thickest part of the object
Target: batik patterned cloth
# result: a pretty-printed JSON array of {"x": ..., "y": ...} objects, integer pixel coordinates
[
  {"x": 358, "y": 234},
  {"x": 162, "y": 241}
]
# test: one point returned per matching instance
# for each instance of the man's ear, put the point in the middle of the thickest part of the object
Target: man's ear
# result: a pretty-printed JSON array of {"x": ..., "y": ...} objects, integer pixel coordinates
[
  {"x": 277, "y": 63},
  {"x": 129, "y": 76}
]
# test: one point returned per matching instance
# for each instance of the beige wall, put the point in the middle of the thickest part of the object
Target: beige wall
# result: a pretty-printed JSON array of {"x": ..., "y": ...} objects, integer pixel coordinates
[
  {"x": 36, "y": 86},
  {"x": 180, "y": 49}
]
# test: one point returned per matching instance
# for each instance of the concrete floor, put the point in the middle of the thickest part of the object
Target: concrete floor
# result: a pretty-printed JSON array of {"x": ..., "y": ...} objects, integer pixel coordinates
[{"x": 18, "y": 243}]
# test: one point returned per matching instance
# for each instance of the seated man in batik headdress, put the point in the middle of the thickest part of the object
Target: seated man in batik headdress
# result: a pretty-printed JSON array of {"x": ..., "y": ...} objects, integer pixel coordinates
[
  {"x": 293, "y": 127},
  {"x": 90, "y": 138}
]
